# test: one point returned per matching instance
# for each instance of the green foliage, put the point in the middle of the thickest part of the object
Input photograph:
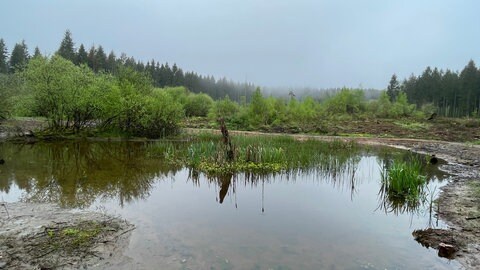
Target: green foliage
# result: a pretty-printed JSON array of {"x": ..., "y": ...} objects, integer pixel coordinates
[
  {"x": 258, "y": 112},
  {"x": 393, "y": 88},
  {"x": 224, "y": 108},
  {"x": 19, "y": 57},
  {"x": 15, "y": 99},
  {"x": 5, "y": 95},
  {"x": 453, "y": 94},
  {"x": 162, "y": 115},
  {"x": 260, "y": 154},
  {"x": 404, "y": 182},
  {"x": 347, "y": 101},
  {"x": 66, "y": 49},
  {"x": 384, "y": 108},
  {"x": 75, "y": 98},
  {"x": 3, "y": 57},
  {"x": 198, "y": 105}
]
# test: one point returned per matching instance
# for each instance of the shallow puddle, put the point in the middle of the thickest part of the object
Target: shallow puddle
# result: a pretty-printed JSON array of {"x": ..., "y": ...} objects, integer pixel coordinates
[{"x": 321, "y": 218}]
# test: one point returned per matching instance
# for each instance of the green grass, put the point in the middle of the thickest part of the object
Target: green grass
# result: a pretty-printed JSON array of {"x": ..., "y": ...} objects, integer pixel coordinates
[
  {"x": 403, "y": 184},
  {"x": 414, "y": 126},
  {"x": 475, "y": 188},
  {"x": 257, "y": 154}
]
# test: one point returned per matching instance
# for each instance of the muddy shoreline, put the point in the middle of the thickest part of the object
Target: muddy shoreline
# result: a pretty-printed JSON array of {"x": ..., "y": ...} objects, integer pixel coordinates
[{"x": 45, "y": 236}]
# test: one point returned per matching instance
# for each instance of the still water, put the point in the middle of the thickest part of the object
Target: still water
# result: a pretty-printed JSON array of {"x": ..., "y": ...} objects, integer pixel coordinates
[{"x": 333, "y": 217}]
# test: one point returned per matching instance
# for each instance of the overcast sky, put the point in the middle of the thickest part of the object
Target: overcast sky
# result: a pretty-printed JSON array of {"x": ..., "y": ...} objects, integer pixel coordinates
[{"x": 294, "y": 43}]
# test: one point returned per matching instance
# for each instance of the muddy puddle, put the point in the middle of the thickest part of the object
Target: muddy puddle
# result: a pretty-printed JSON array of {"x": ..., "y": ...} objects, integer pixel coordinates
[{"x": 330, "y": 217}]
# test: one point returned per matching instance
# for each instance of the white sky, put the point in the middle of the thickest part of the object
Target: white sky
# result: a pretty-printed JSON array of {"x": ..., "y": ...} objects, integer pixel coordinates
[{"x": 301, "y": 43}]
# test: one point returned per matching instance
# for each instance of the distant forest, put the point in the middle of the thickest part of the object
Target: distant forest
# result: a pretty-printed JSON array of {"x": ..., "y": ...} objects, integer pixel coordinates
[
  {"x": 453, "y": 94},
  {"x": 449, "y": 93},
  {"x": 162, "y": 75}
]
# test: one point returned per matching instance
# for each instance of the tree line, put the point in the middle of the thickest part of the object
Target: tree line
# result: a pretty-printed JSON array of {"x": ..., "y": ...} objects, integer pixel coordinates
[
  {"x": 450, "y": 93},
  {"x": 162, "y": 75}
]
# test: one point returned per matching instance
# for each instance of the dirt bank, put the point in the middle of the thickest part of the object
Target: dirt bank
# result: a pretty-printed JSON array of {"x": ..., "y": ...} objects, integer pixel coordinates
[{"x": 45, "y": 236}]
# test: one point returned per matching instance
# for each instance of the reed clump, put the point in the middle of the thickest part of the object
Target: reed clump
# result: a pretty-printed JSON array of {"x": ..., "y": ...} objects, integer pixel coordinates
[
  {"x": 403, "y": 183},
  {"x": 262, "y": 154}
]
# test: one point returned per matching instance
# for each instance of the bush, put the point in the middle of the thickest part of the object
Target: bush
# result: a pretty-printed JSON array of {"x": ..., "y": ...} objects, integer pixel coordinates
[{"x": 198, "y": 105}]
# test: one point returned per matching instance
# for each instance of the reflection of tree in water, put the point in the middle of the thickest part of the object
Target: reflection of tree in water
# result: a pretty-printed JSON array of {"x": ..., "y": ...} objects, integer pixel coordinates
[
  {"x": 389, "y": 202},
  {"x": 337, "y": 168},
  {"x": 77, "y": 173}
]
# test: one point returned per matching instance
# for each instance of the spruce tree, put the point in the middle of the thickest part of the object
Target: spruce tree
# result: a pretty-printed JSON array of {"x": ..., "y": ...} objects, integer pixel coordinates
[
  {"x": 111, "y": 62},
  {"x": 393, "y": 88},
  {"x": 37, "y": 53},
  {"x": 66, "y": 49},
  {"x": 91, "y": 59},
  {"x": 19, "y": 57},
  {"x": 100, "y": 59},
  {"x": 81, "y": 57},
  {"x": 3, "y": 57}
]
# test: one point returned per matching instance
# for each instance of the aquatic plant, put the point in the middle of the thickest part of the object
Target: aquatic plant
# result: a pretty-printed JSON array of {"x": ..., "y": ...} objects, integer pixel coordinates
[
  {"x": 403, "y": 185},
  {"x": 258, "y": 154}
]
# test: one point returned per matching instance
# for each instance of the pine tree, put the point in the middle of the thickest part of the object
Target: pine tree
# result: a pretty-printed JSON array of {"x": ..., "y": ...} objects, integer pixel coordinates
[
  {"x": 100, "y": 59},
  {"x": 66, "y": 49},
  {"x": 393, "y": 88},
  {"x": 19, "y": 57},
  {"x": 468, "y": 87},
  {"x": 111, "y": 62},
  {"x": 3, "y": 57},
  {"x": 81, "y": 57},
  {"x": 91, "y": 59},
  {"x": 37, "y": 53}
]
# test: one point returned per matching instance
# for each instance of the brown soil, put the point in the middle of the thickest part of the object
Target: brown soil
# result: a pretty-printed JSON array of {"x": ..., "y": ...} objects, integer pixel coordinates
[{"x": 445, "y": 129}]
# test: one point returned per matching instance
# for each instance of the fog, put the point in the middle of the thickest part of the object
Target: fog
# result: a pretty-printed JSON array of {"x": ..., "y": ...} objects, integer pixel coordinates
[{"x": 303, "y": 43}]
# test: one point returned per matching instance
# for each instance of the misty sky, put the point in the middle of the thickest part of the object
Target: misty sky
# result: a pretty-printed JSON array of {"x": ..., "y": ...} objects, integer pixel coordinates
[{"x": 301, "y": 43}]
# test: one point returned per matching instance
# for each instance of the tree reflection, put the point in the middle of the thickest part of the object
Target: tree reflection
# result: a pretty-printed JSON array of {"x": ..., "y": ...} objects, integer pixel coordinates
[{"x": 75, "y": 174}]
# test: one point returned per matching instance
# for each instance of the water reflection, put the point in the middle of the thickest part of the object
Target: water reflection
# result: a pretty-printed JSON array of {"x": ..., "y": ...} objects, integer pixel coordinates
[
  {"x": 392, "y": 203},
  {"x": 311, "y": 218},
  {"x": 76, "y": 173}
]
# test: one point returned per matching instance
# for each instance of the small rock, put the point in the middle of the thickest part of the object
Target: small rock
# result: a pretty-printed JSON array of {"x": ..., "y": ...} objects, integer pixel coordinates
[
  {"x": 2, "y": 265},
  {"x": 446, "y": 250}
]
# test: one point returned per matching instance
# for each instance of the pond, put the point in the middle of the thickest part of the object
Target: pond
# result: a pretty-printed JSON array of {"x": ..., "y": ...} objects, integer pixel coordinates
[{"x": 329, "y": 217}]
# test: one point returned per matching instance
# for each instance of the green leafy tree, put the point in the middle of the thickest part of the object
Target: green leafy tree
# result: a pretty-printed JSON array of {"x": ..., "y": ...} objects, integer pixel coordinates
[
  {"x": 198, "y": 105},
  {"x": 5, "y": 93},
  {"x": 52, "y": 82},
  {"x": 258, "y": 111},
  {"x": 66, "y": 49},
  {"x": 3, "y": 57},
  {"x": 162, "y": 115},
  {"x": 19, "y": 57},
  {"x": 347, "y": 101},
  {"x": 224, "y": 108}
]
